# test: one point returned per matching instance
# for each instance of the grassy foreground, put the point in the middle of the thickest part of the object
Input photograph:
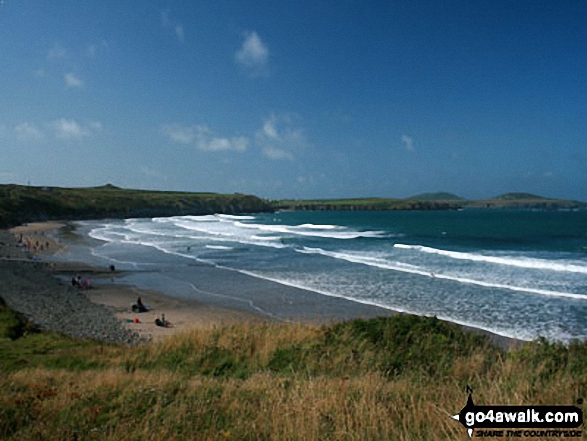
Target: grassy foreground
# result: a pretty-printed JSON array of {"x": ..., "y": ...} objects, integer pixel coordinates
[{"x": 395, "y": 378}]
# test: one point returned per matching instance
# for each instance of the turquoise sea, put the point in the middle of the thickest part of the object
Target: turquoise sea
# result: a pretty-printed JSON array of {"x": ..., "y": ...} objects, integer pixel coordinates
[{"x": 521, "y": 274}]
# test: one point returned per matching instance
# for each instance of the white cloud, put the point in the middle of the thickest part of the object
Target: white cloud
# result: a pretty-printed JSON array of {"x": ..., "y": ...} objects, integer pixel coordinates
[
  {"x": 408, "y": 143},
  {"x": 277, "y": 153},
  {"x": 72, "y": 80},
  {"x": 96, "y": 125},
  {"x": 56, "y": 51},
  {"x": 253, "y": 55},
  {"x": 180, "y": 134},
  {"x": 95, "y": 49},
  {"x": 166, "y": 22},
  {"x": 200, "y": 136},
  {"x": 70, "y": 129},
  {"x": 27, "y": 132},
  {"x": 269, "y": 129},
  {"x": 278, "y": 138},
  {"x": 204, "y": 141},
  {"x": 179, "y": 32}
]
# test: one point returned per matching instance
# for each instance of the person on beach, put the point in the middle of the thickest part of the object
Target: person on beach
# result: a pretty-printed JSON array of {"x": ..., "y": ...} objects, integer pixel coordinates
[
  {"x": 139, "y": 306},
  {"x": 161, "y": 321}
]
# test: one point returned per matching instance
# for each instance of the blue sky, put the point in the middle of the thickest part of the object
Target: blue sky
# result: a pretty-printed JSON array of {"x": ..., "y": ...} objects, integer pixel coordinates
[{"x": 304, "y": 99}]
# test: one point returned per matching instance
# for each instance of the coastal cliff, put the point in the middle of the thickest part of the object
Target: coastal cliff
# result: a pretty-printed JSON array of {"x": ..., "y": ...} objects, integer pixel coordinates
[{"x": 19, "y": 204}]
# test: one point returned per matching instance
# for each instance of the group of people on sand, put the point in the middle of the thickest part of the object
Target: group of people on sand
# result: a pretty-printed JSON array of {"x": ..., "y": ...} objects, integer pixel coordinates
[
  {"x": 139, "y": 306},
  {"x": 30, "y": 246},
  {"x": 81, "y": 282}
]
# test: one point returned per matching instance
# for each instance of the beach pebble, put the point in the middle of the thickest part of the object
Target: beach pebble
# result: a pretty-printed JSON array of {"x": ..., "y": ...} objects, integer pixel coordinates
[{"x": 29, "y": 288}]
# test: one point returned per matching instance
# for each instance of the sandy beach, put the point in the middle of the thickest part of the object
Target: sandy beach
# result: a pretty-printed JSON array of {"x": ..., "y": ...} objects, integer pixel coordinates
[
  {"x": 180, "y": 314},
  {"x": 32, "y": 261},
  {"x": 211, "y": 309}
]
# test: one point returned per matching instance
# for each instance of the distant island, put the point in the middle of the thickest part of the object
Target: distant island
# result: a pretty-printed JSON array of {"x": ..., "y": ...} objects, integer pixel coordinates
[
  {"x": 19, "y": 203},
  {"x": 431, "y": 201}
]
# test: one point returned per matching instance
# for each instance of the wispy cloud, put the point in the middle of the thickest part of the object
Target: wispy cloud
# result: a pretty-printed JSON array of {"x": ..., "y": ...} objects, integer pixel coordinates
[
  {"x": 177, "y": 27},
  {"x": 179, "y": 32},
  {"x": 72, "y": 80},
  {"x": 165, "y": 21},
  {"x": 71, "y": 129},
  {"x": 93, "y": 50},
  {"x": 278, "y": 138},
  {"x": 408, "y": 143},
  {"x": 200, "y": 136},
  {"x": 277, "y": 154},
  {"x": 56, "y": 51},
  {"x": 28, "y": 132},
  {"x": 180, "y": 134},
  {"x": 253, "y": 55},
  {"x": 95, "y": 125}
]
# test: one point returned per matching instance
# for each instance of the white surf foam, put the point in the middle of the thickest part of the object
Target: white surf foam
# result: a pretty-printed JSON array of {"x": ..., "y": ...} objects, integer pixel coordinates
[
  {"x": 397, "y": 266},
  {"x": 233, "y": 217},
  {"x": 293, "y": 284},
  {"x": 521, "y": 262},
  {"x": 325, "y": 231}
]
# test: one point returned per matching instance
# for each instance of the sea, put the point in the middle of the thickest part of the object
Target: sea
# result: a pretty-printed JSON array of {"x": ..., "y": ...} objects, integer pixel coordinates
[{"x": 517, "y": 273}]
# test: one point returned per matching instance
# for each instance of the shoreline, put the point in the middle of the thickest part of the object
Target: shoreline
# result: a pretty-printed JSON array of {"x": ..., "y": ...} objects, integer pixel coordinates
[{"x": 216, "y": 304}]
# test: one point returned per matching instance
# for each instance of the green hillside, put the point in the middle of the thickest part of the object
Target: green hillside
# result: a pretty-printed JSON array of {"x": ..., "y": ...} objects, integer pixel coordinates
[
  {"x": 20, "y": 204},
  {"x": 525, "y": 201},
  {"x": 429, "y": 201},
  {"x": 370, "y": 204},
  {"x": 518, "y": 196}
]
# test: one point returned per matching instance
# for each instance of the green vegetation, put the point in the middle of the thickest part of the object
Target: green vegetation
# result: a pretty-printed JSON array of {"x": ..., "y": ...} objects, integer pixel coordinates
[
  {"x": 19, "y": 204},
  {"x": 430, "y": 201},
  {"x": 364, "y": 204},
  {"x": 387, "y": 378},
  {"x": 517, "y": 196}
]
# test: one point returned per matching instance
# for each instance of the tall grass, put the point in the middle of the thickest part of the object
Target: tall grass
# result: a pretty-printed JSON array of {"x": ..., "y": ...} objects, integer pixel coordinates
[{"x": 395, "y": 378}]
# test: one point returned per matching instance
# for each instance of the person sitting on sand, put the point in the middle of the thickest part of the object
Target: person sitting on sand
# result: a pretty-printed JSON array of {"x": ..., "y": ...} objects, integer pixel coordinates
[
  {"x": 162, "y": 322},
  {"x": 139, "y": 306}
]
